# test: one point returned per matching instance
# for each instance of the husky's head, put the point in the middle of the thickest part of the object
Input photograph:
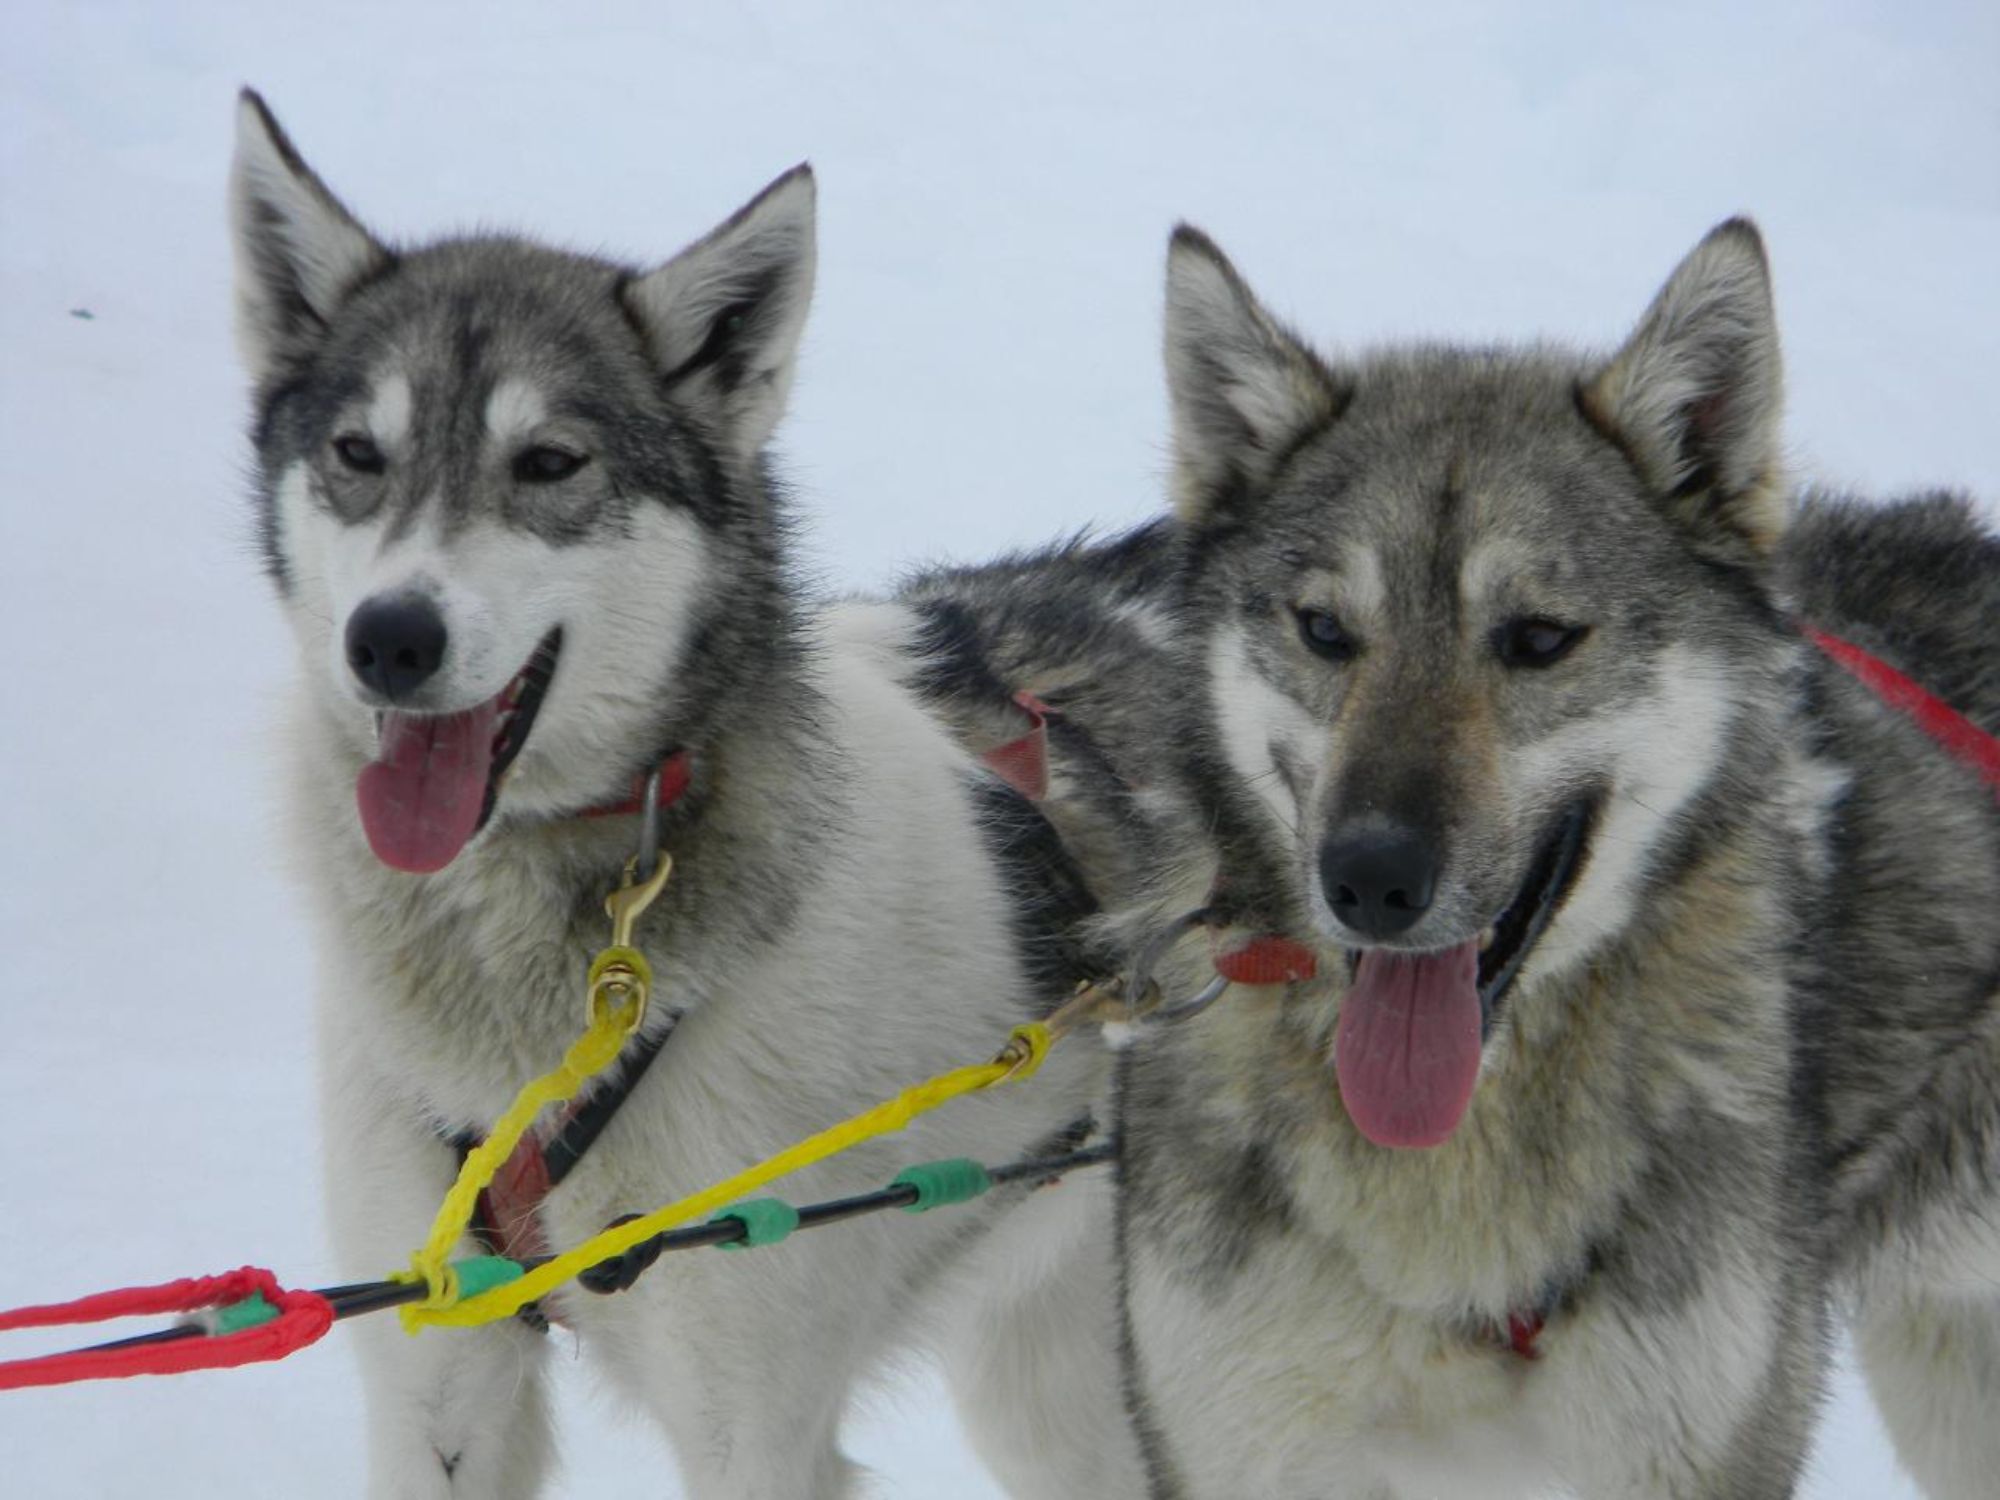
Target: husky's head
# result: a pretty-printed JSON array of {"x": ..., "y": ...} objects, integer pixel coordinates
[
  {"x": 1478, "y": 626},
  {"x": 512, "y": 497}
]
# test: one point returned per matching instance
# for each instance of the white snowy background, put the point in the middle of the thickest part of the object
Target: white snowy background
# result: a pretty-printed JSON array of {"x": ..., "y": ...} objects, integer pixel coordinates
[{"x": 981, "y": 372}]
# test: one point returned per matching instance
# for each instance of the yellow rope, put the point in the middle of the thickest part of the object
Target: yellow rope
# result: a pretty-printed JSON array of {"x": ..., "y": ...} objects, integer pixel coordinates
[
  {"x": 590, "y": 1054},
  {"x": 1023, "y": 1054}
]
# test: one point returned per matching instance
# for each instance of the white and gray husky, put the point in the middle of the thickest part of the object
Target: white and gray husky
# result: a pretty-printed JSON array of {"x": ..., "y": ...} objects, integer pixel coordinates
[
  {"x": 515, "y": 505},
  {"x": 1657, "y": 995}
]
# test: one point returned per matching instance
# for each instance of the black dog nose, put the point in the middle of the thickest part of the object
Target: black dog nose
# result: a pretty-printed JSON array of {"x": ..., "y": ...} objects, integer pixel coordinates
[
  {"x": 395, "y": 643},
  {"x": 1379, "y": 882}
]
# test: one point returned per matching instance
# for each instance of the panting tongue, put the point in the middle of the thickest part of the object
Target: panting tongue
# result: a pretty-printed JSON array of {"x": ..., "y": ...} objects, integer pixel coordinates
[
  {"x": 420, "y": 800},
  {"x": 1407, "y": 1049}
]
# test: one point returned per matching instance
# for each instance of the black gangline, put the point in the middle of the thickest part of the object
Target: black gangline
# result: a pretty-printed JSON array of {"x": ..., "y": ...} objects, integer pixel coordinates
[{"x": 356, "y": 1298}]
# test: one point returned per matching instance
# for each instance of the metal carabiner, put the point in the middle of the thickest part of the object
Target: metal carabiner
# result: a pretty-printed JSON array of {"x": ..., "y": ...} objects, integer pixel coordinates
[
  {"x": 1148, "y": 958},
  {"x": 645, "y": 872}
]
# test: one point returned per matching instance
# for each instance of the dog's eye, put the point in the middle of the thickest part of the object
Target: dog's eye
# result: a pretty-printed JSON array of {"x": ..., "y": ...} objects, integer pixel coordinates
[
  {"x": 359, "y": 453},
  {"x": 542, "y": 464},
  {"x": 1323, "y": 635},
  {"x": 1535, "y": 642}
]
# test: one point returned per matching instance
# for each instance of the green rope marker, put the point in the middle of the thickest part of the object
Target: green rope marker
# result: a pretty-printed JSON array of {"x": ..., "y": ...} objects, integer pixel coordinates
[
  {"x": 956, "y": 1179},
  {"x": 482, "y": 1273},
  {"x": 248, "y": 1313},
  {"x": 765, "y": 1221}
]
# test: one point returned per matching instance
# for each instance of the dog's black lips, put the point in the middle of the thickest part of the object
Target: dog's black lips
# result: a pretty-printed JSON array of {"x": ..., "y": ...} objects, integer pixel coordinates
[
  {"x": 1541, "y": 894},
  {"x": 534, "y": 678}
]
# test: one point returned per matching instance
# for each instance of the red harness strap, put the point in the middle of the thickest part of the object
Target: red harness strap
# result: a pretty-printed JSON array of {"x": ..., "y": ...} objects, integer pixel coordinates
[
  {"x": 1957, "y": 735},
  {"x": 1023, "y": 762},
  {"x": 509, "y": 1218},
  {"x": 1523, "y": 1328}
]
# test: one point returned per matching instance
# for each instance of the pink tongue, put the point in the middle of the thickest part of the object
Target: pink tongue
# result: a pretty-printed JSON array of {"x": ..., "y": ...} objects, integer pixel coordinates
[
  {"x": 420, "y": 801},
  {"x": 1407, "y": 1051}
]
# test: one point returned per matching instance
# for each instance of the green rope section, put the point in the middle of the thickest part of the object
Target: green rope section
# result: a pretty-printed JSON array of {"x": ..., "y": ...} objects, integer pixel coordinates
[
  {"x": 765, "y": 1221},
  {"x": 248, "y": 1313},
  {"x": 481, "y": 1273},
  {"x": 956, "y": 1179}
]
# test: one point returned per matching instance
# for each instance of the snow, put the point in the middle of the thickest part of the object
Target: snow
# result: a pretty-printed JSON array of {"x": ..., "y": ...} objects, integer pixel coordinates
[{"x": 981, "y": 372}]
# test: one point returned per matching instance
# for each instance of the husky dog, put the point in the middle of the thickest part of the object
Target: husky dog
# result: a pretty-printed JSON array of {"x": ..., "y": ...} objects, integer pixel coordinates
[
  {"x": 1658, "y": 962},
  {"x": 515, "y": 505},
  {"x": 1903, "y": 960}
]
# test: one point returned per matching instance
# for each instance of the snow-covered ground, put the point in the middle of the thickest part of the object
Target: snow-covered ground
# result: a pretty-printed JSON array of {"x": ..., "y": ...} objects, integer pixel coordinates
[{"x": 981, "y": 372}]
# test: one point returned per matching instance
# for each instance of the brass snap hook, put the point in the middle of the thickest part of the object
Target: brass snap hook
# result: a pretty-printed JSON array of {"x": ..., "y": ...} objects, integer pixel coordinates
[
  {"x": 620, "y": 976},
  {"x": 629, "y": 902}
]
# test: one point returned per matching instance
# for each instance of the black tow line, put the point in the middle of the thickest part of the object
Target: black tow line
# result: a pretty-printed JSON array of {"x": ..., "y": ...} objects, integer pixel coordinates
[{"x": 621, "y": 1272}]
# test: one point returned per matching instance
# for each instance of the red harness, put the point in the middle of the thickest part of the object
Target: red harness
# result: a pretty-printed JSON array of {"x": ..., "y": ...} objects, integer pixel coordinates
[{"x": 1957, "y": 735}]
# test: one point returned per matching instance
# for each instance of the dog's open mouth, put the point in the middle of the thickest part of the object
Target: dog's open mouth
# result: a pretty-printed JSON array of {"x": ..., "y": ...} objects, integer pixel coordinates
[
  {"x": 436, "y": 777},
  {"x": 1504, "y": 947},
  {"x": 1413, "y": 1026}
]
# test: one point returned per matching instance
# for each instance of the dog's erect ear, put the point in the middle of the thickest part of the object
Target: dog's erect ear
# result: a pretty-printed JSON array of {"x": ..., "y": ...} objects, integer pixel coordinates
[
  {"x": 298, "y": 251},
  {"x": 724, "y": 315},
  {"x": 1243, "y": 389},
  {"x": 1695, "y": 394}
]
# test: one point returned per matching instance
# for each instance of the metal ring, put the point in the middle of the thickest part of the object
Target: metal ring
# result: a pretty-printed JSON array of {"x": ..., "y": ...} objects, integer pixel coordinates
[
  {"x": 1193, "y": 1006},
  {"x": 649, "y": 826},
  {"x": 1148, "y": 958}
]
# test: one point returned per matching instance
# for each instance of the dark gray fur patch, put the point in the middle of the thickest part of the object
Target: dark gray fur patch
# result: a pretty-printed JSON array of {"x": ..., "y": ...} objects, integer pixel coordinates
[{"x": 1047, "y": 897}]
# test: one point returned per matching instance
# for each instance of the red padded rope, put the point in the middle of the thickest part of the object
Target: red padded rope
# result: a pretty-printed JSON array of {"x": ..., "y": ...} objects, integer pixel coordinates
[{"x": 303, "y": 1317}]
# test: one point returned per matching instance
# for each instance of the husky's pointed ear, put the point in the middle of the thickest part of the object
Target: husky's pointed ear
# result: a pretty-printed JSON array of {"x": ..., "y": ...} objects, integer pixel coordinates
[
  {"x": 1695, "y": 395},
  {"x": 298, "y": 251},
  {"x": 1243, "y": 389},
  {"x": 724, "y": 315}
]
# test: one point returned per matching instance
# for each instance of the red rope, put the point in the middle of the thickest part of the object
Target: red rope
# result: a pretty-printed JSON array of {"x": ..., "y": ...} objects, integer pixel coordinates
[
  {"x": 1954, "y": 732},
  {"x": 303, "y": 1317}
]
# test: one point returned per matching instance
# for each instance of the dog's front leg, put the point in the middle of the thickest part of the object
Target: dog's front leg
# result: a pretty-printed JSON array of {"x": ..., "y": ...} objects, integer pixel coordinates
[{"x": 456, "y": 1413}]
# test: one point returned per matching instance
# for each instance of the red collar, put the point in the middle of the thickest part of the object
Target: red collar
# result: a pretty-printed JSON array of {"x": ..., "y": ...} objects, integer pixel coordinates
[
  {"x": 1022, "y": 762},
  {"x": 675, "y": 772}
]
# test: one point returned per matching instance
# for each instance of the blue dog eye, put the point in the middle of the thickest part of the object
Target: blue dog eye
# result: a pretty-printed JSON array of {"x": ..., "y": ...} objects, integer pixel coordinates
[{"x": 1323, "y": 634}]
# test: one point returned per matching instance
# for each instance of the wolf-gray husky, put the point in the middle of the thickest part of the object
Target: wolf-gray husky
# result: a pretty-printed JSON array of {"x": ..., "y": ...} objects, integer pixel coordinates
[
  {"x": 1658, "y": 961},
  {"x": 515, "y": 505}
]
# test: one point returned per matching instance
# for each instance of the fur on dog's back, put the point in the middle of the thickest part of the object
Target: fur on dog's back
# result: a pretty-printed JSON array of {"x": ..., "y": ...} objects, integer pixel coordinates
[
  {"x": 1917, "y": 582},
  {"x": 1900, "y": 968}
]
